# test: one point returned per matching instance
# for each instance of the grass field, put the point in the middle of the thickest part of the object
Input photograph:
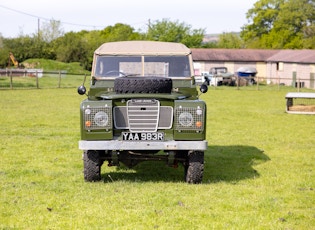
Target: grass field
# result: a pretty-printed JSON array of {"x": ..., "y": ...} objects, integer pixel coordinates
[{"x": 259, "y": 169}]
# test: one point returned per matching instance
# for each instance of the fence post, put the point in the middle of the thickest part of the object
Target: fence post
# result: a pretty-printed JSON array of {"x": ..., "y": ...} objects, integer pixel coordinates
[
  {"x": 59, "y": 80},
  {"x": 238, "y": 82},
  {"x": 278, "y": 83},
  {"x": 11, "y": 79},
  {"x": 37, "y": 85},
  {"x": 257, "y": 83}
]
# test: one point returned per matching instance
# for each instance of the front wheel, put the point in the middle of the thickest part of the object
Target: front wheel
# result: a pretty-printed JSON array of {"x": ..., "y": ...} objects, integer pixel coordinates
[
  {"x": 194, "y": 167},
  {"x": 92, "y": 165}
]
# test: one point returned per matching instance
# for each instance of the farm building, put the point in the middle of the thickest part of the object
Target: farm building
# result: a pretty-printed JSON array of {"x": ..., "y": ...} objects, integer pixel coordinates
[{"x": 288, "y": 67}]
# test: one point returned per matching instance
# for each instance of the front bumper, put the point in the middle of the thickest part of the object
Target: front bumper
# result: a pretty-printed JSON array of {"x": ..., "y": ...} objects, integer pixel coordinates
[{"x": 143, "y": 145}]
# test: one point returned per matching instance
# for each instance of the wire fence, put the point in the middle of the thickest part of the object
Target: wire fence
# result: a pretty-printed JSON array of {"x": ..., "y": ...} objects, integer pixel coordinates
[
  {"x": 38, "y": 79},
  {"x": 261, "y": 83}
]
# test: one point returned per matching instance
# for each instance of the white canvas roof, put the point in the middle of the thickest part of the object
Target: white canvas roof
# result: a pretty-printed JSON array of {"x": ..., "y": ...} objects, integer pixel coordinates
[{"x": 142, "y": 47}]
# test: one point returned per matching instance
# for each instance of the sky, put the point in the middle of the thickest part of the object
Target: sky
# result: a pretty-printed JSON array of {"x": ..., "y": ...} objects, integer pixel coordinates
[{"x": 24, "y": 17}]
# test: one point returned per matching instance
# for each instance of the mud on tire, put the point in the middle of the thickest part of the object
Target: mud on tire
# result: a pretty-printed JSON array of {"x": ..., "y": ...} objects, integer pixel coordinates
[
  {"x": 143, "y": 85},
  {"x": 194, "y": 167},
  {"x": 92, "y": 165}
]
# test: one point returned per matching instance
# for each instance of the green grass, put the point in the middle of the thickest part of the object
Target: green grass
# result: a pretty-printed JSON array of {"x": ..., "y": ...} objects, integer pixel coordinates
[{"x": 259, "y": 169}]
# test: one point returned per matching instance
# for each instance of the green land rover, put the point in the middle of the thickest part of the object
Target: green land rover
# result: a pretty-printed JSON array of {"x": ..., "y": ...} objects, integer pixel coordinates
[{"x": 143, "y": 105}]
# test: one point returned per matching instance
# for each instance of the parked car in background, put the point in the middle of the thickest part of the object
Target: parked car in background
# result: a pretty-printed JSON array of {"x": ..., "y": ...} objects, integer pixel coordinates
[
  {"x": 220, "y": 76},
  {"x": 246, "y": 76}
]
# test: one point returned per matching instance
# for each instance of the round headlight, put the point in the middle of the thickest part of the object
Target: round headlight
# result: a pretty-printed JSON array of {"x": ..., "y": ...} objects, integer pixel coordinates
[
  {"x": 185, "y": 119},
  {"x": 101, "y": 118}
]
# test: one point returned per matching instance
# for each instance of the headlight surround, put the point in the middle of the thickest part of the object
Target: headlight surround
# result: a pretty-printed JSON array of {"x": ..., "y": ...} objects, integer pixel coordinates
[
  {"x": 189, "y": 118},
  {"x": 97, "y": 117}
]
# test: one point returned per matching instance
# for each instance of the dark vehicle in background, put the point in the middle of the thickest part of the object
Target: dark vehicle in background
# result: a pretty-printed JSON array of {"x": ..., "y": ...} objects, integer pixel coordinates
[
  {"x": 220, "y": 76},
  {"x": 246, "y": 75}
]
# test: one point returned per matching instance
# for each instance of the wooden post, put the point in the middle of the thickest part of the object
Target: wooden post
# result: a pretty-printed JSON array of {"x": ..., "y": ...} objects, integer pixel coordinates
[
  {"x": 59, "y": 81},
  {"x": 37, "y": 85},
  {"x": 11, "y": 80},
  {"x": 278, "y": 82}
]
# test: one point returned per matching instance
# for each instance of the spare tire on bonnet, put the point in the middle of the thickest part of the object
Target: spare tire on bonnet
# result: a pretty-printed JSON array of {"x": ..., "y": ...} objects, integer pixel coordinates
[{"x": 143, "y": 85}]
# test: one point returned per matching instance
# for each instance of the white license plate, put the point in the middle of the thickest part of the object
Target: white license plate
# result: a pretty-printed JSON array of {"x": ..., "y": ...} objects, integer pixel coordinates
[{"x": 158, "y": 136}]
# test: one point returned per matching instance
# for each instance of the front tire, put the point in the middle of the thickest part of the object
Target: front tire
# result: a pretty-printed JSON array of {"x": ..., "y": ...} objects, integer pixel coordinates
[
  {"x": 92, "y": 165},
  {"x": 194, "y": 167}
]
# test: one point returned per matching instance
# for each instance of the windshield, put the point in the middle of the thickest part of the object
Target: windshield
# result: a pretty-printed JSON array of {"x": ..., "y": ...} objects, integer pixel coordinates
[
  {"x": 163, "y": 66},
  {"x": 218, "y": 70}
]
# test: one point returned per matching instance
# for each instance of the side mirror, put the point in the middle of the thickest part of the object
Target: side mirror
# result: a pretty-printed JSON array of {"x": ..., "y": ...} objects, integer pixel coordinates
[
  {"x": 81, "y": 90},
  {"x": 203, "y": 88}
]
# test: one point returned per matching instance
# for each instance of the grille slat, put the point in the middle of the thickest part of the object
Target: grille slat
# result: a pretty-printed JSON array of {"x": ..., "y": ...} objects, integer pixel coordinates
[{"x": 143, "y": 116}]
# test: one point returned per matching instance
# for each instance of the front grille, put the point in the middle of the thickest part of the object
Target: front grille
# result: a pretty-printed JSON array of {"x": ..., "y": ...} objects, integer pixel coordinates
[{"x": 143, "y": 115}]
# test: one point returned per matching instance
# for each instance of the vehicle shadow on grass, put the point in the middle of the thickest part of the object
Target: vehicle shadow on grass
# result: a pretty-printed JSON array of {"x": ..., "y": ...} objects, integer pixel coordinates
[
  {"x": 222, "y": 163},
  {"x": 232, "y": 163}
]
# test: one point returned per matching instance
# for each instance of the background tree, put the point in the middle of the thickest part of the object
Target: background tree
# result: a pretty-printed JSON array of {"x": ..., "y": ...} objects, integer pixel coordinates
[
  {"x": 120, "y": 32},
  {"x": 230, "y": 41},
  {"x": 280, "y": 24},
  {"x": 72, "y": 47},
  {"x": 23, "y": 47},
  {"x": 208, "y": 45},
  {"x": 50, "y": 30},
  {"x": 176, "y": 31},
  {"x": 93, "y": 40},
  {"x": 3, "y": 53}
]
